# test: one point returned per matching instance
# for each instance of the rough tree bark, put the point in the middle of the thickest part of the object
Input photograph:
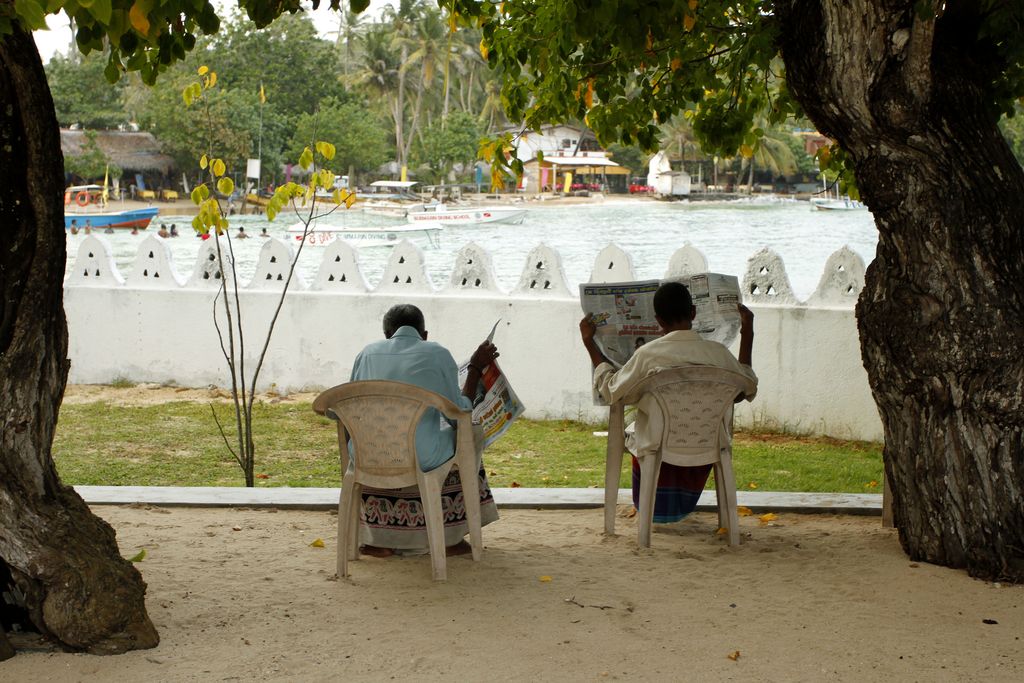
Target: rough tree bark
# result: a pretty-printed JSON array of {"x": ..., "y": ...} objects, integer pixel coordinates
[
  {"x": 79, "y": 590},
  {"x": 941, "y": 317}
]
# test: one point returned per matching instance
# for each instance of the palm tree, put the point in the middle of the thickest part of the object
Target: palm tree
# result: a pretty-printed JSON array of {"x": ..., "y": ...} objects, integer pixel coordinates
[
  {"x": 350, "y": 29},
  {"x": 378, "y": 74},
  {"x": 773, "y": 154},
  {"x": 425, "y": 46}
]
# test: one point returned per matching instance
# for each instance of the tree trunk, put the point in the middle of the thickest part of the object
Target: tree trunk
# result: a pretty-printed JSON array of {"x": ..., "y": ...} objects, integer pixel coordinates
[
  {"x": 79, "y": 591},
  {"x": 941, "y": 317},
  {"x": 6, "y": 649}
]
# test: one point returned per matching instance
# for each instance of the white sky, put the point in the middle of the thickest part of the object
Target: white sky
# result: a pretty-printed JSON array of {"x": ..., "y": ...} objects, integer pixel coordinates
[{"x": 58, "y": 38}]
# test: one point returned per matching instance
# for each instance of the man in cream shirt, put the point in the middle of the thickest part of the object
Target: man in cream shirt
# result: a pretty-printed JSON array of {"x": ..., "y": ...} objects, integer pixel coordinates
[{"x": 678, "y": 487}]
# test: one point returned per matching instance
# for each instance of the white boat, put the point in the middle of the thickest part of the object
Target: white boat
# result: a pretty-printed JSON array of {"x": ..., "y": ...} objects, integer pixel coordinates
[
  {"x": 844, "y": 204},
  {"x": 443, "y": 214},
  {"x": 427, "y": 236}
]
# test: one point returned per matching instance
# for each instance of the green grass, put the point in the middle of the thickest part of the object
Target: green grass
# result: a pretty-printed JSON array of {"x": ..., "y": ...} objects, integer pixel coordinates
[{"x": 177, "y": 444}]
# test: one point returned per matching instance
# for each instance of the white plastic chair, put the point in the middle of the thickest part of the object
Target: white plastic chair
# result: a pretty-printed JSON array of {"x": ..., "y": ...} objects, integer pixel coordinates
[
  {"x": 696, "y": 405},
  {"x": 380, "y": 417}
]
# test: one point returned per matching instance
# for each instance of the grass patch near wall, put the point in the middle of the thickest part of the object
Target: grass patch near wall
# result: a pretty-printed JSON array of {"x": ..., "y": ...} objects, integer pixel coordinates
[{"x": 177, "y": 444}]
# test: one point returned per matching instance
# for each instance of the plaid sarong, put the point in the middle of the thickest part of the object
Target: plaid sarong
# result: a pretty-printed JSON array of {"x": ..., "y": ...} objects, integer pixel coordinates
[{"x": 678, "y": 490}]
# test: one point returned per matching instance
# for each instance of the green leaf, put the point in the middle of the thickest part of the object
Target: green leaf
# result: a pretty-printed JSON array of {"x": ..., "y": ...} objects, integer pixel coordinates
[
  {"x": 306, "y": 159},
  {"x": 218, "y": 167},
  {"x": 226, "y": 185},
  {"x": 101, "y": 10},
  {"x": 197, "y": 196},
  {"x": 271, "y": 213},
  {"x": 32, "y": 13},
  {"x": 138, "y": 557}
]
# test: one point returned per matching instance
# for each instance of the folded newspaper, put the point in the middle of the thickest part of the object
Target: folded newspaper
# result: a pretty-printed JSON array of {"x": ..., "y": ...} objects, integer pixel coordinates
[
  {"x": 624, "y": 312},
  {"x": 495, "y": 404}
]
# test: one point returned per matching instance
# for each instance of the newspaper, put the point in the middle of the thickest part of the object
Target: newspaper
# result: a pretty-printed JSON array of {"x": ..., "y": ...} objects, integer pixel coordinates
[
  {"x": 624, "y": 312},
  {"x": 495, "y": 404}
]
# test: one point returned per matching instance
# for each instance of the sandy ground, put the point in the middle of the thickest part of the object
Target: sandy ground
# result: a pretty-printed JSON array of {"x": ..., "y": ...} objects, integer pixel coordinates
[{"x": 805, "y": 598}]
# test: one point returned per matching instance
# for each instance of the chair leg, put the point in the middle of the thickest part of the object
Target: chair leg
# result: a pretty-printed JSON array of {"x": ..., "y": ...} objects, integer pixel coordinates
[
  {"x": 430, "y": 496},
  {"x": 720, "y": 497},
  {"x": 650, "y": 467},
  {"x": 728, "y": 484},
  {"x": 613, "y": 466},
  {"x": 353, "y": 530},
  {"x": 471, "y": 501},
  {"x": 348, "y": 494}
]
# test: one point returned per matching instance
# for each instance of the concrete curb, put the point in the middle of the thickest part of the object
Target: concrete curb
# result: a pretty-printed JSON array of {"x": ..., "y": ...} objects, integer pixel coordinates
[{"x": 286, "y": 498}]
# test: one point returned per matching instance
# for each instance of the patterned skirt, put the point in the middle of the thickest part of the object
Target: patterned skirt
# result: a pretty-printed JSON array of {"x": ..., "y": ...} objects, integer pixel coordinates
[
  {"x": 394, "y": 518},
  {"x": 678, "y": 491}
]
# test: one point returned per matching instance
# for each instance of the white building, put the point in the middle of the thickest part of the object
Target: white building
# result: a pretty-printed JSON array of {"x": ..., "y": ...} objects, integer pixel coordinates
[
  {"x": 565, "y": 149},
  {"x": 665, "y": 181}
]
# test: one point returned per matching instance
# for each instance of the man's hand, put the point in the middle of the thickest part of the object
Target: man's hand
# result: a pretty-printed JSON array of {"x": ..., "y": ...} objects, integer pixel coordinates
[
  {"x": 484, "y": 355},
  {"x": 746, "y": 318},
  {"x": 588, "y": 328},
  {"x": 481, "y": 358},
  {"x": 746, "y": 334}
]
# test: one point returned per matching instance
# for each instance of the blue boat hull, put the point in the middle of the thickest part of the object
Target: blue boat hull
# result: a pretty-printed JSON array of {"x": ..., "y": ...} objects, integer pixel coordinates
[{"x": 132, "y": 218}]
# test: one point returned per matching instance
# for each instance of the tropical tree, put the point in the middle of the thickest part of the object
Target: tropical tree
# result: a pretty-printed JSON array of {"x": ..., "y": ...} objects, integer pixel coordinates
[
  {"x": 360, "y": 140},
  {"x": 772, "y": 154},
  {"x": 378, "y": 76},
  {"x": 447, "y": 143},
  {"x": 424, "y": 47},
  {"x": 232, "y": 117},
  {"x": 912, "y": 92},
  {"x": 81, "y": 94}
]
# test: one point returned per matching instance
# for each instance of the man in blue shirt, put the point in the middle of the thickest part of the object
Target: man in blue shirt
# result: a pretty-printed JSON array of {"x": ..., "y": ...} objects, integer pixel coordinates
[{"x": 393, "y": 519}]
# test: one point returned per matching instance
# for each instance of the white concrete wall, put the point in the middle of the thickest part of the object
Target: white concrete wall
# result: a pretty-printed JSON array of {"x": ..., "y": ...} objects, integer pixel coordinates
[{"x": 149, "y": 327}]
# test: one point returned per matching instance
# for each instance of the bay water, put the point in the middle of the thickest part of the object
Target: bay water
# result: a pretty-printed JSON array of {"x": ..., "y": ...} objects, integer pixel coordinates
[{"x": 728, "y": 233}]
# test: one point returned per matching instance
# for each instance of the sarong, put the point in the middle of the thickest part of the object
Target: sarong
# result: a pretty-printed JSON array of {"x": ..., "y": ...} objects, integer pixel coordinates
[
  {"x": 678, "y": 491},
  {"x": 394, "y": 518}
]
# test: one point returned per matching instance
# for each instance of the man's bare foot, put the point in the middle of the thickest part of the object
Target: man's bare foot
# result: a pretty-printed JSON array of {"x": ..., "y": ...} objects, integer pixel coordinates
[
  {"x": 374, "y": 551},
  {"x": 460, "y": 548}
]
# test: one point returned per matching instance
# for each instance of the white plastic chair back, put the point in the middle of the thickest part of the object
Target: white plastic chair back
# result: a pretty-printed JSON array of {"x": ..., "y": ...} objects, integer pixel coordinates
[
  {"x": 696, "y": 412},
  {"x": 381, "y": 418}
]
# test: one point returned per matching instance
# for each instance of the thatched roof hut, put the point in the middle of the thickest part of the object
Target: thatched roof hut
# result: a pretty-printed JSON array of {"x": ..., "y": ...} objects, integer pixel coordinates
[{"x": 134, "y": 152}]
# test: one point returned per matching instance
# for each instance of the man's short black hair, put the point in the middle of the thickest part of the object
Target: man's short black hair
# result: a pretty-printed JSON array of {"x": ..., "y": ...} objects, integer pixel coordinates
[
  {"x": 402, "y": 315},
  {"x": 672, "y": 303}
]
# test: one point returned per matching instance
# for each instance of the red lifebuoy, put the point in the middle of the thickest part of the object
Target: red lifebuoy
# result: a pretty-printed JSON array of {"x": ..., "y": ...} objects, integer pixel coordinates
[{"x": 82, "y": 198}]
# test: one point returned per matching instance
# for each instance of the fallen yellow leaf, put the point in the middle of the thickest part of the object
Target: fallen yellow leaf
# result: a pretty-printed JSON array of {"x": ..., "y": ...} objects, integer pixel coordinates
[
  {"x": 743, "y": 511},
  {"x": 722, "y": 531},
  {"x": 751, "y": 485},
  {"x": 545, "y": 579},
  {"x": 734, "y": 656},
  {"x": 318, "y": 543},
  {"x": 871, "y": 484},
  {"x": 768, "y": 517}
]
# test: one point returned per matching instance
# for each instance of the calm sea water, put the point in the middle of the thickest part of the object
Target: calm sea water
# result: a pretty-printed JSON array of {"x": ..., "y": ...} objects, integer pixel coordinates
[{"x": 728, "y": 233}]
